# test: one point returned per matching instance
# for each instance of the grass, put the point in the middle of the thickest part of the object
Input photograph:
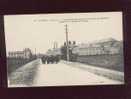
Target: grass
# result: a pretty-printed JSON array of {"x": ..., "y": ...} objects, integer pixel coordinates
[
  {"x": 15, "y": 63},
  {"x": 114, "y": 62},
  {"x": 24, "y": 75}
]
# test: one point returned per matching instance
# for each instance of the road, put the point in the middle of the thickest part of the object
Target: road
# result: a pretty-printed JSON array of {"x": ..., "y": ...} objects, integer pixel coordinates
[{"x": 64, "y": 75}]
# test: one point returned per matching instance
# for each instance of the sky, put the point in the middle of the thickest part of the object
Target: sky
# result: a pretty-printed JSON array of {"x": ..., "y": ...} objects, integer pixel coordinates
[{"x": 40, "y": 31}]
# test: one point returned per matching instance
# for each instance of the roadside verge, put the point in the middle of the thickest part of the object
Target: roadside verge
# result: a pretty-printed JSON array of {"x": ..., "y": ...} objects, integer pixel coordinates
[
  {"x": 111, "y": 74},
  {"x": 24, "y": 75}
]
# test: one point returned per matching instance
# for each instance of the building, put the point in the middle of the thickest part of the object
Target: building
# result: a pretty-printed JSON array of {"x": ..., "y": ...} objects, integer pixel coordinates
[
  {"x": 88, "y": 50},
  {"x": 106, "y": 46},
  {"x": 26, "y": 54},
  {"x": 54, "y": 52}
]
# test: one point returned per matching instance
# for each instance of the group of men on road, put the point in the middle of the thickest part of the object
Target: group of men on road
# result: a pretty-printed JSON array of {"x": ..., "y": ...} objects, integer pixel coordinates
[{"x": 50, "y": 59}]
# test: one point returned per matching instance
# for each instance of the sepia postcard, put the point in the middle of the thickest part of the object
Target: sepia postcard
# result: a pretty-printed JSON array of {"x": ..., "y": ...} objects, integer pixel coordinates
[{"x": 67, "y": 49}]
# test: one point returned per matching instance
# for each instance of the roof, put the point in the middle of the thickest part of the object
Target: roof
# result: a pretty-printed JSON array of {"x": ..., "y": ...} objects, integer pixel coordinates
[{"x": 105, "y": 40}]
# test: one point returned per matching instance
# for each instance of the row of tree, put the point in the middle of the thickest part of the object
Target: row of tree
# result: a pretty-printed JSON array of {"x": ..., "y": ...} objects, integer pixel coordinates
[{"x": 72, "y": 57}]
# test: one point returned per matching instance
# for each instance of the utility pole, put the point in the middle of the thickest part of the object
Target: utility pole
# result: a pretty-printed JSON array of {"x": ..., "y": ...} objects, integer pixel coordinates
[
  {"x": 55, "y": 45},
  {"x": 35, "y": 53},
  {"x": 67, "y": 43}
]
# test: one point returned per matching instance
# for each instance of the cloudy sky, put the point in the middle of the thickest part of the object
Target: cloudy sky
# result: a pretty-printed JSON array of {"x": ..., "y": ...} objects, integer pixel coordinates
[{"x": 41, "y": 30}]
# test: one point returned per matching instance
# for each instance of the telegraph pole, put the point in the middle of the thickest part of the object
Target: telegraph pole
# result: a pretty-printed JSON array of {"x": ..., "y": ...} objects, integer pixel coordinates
[
  {"x": 55, "y": 45},
  {"x": 35, "y": 53},
  {"x": 67, "y": 43}
]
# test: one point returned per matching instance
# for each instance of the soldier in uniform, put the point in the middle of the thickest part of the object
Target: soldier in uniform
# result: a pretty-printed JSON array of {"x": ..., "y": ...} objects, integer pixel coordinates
[{"x": 44, "y": 59}]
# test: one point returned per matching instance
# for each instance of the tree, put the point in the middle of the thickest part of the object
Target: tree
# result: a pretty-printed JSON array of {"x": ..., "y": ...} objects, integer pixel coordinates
[
  {"x": 63, "y": 52},
  {"x": 74, "y": 43}
]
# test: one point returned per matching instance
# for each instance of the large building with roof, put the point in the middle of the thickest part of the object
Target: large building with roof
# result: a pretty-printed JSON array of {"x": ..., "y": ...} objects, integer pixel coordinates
[
  {"x": 54, "y": 52},
  {"x": 106, "y": 46},
  {"x": 26, "y": 53}
]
